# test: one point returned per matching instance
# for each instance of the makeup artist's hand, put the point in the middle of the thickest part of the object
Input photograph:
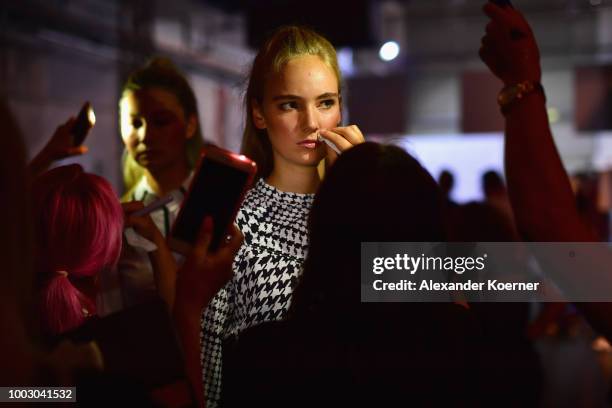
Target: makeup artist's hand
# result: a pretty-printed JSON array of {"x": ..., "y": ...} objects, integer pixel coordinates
[{"x": 343, "y": 137}]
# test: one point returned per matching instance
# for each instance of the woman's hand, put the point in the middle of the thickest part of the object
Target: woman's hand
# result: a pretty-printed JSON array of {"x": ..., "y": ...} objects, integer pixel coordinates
[
  {"x": 509, "y": 47},
  {"x": 60, "y": 146},
  {"x": 143, "y": 225},
  {"x": 205, "y": 272},
  {"x": 343, "y": 137}
]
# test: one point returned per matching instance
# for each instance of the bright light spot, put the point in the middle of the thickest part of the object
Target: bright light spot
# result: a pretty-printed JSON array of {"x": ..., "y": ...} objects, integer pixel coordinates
[
  {"x": 345, "y": 61},
  {"x": 553, "y": 115},
  {"x": 91, "y": 116},
  {"x": 389, "y": 51}
]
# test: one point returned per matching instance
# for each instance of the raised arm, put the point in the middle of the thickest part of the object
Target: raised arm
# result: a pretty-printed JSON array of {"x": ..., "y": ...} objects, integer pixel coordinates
[
  {"x": 202, "y": 275},
  {"x": 538, "y": 186}
]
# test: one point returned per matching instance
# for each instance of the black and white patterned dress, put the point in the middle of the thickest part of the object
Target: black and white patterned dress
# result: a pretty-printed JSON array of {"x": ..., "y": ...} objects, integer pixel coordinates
[{"x": 266, "y": 270}]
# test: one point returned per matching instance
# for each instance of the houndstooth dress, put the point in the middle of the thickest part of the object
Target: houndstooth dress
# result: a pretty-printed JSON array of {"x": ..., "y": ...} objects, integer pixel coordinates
[{"x": 266, "y": 270}]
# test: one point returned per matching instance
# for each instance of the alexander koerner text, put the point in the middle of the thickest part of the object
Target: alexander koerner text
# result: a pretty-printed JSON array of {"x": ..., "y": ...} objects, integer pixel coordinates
[{"x": 430, "y": 285}]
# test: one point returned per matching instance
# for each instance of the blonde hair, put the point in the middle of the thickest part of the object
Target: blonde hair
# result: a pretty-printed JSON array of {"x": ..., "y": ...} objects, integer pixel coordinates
[
  {"x": 285, "y": 44},
  {"x": 162, "y": 73}
]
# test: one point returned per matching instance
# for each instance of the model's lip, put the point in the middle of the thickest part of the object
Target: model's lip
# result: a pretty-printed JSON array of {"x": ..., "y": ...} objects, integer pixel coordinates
[
  {"x": 309, "y": 141},
  {"x": 309, "y": 144}
]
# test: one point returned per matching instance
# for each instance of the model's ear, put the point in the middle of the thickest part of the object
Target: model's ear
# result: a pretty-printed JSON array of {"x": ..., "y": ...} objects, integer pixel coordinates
[
  {"x": 192, "y": 126},
  {"x": 258, "y": 118}
]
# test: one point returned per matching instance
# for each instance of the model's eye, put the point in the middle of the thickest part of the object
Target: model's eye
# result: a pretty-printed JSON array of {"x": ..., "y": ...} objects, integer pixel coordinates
[
  {"x": 327, "y": 103},
  {"x": 288, "y": 105},
  {"x": 137, "y": 123}
]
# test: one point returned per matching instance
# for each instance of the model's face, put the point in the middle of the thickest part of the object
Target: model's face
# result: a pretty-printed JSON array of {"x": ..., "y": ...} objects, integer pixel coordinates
[
  {"x": 297, "y": 102},
  {"x": 154, "y": 127}
]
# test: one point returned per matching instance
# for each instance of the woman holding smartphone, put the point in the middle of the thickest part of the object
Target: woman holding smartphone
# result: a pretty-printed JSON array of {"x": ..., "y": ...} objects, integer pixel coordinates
[
  {"x": 293, "y": 99},
  {"x": 162, "y": 138}
]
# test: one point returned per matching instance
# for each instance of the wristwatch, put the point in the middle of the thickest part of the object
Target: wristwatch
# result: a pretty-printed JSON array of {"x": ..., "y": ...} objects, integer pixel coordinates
[{"x": 511, "y": 94}]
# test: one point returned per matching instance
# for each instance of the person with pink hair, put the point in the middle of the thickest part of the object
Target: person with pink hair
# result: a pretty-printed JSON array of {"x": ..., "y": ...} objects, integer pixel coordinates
[{"x": 78, "y": 222}]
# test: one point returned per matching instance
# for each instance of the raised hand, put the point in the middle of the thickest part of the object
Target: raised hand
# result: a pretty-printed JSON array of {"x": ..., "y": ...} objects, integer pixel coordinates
[
  {"x": 60, "y": 146},
  {"x": 205, "y": 272},
  {"x": 509, "y": 47}
]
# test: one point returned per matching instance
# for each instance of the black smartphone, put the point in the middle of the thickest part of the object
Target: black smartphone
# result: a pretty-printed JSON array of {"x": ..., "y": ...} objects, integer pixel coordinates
[
  {"x": 217, "y": 189},
  {"x": 86, "y": 119},
  {"x": 502, "y": 3}
]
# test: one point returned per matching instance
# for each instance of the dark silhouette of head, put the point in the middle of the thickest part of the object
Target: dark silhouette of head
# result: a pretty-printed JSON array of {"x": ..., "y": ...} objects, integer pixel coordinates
[
  {"x": 373, "y": 193},
  {"x": 446, "y": 180},
  {"x": 492, "y": 183}
]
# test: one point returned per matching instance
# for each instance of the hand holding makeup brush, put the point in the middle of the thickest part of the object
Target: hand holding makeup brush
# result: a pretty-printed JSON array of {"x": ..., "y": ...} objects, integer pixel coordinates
[{"x": 343, "y": 138}]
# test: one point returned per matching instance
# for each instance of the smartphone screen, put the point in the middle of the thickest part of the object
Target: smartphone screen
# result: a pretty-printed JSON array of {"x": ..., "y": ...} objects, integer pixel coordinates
[{"x": 215, "y": 192}]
